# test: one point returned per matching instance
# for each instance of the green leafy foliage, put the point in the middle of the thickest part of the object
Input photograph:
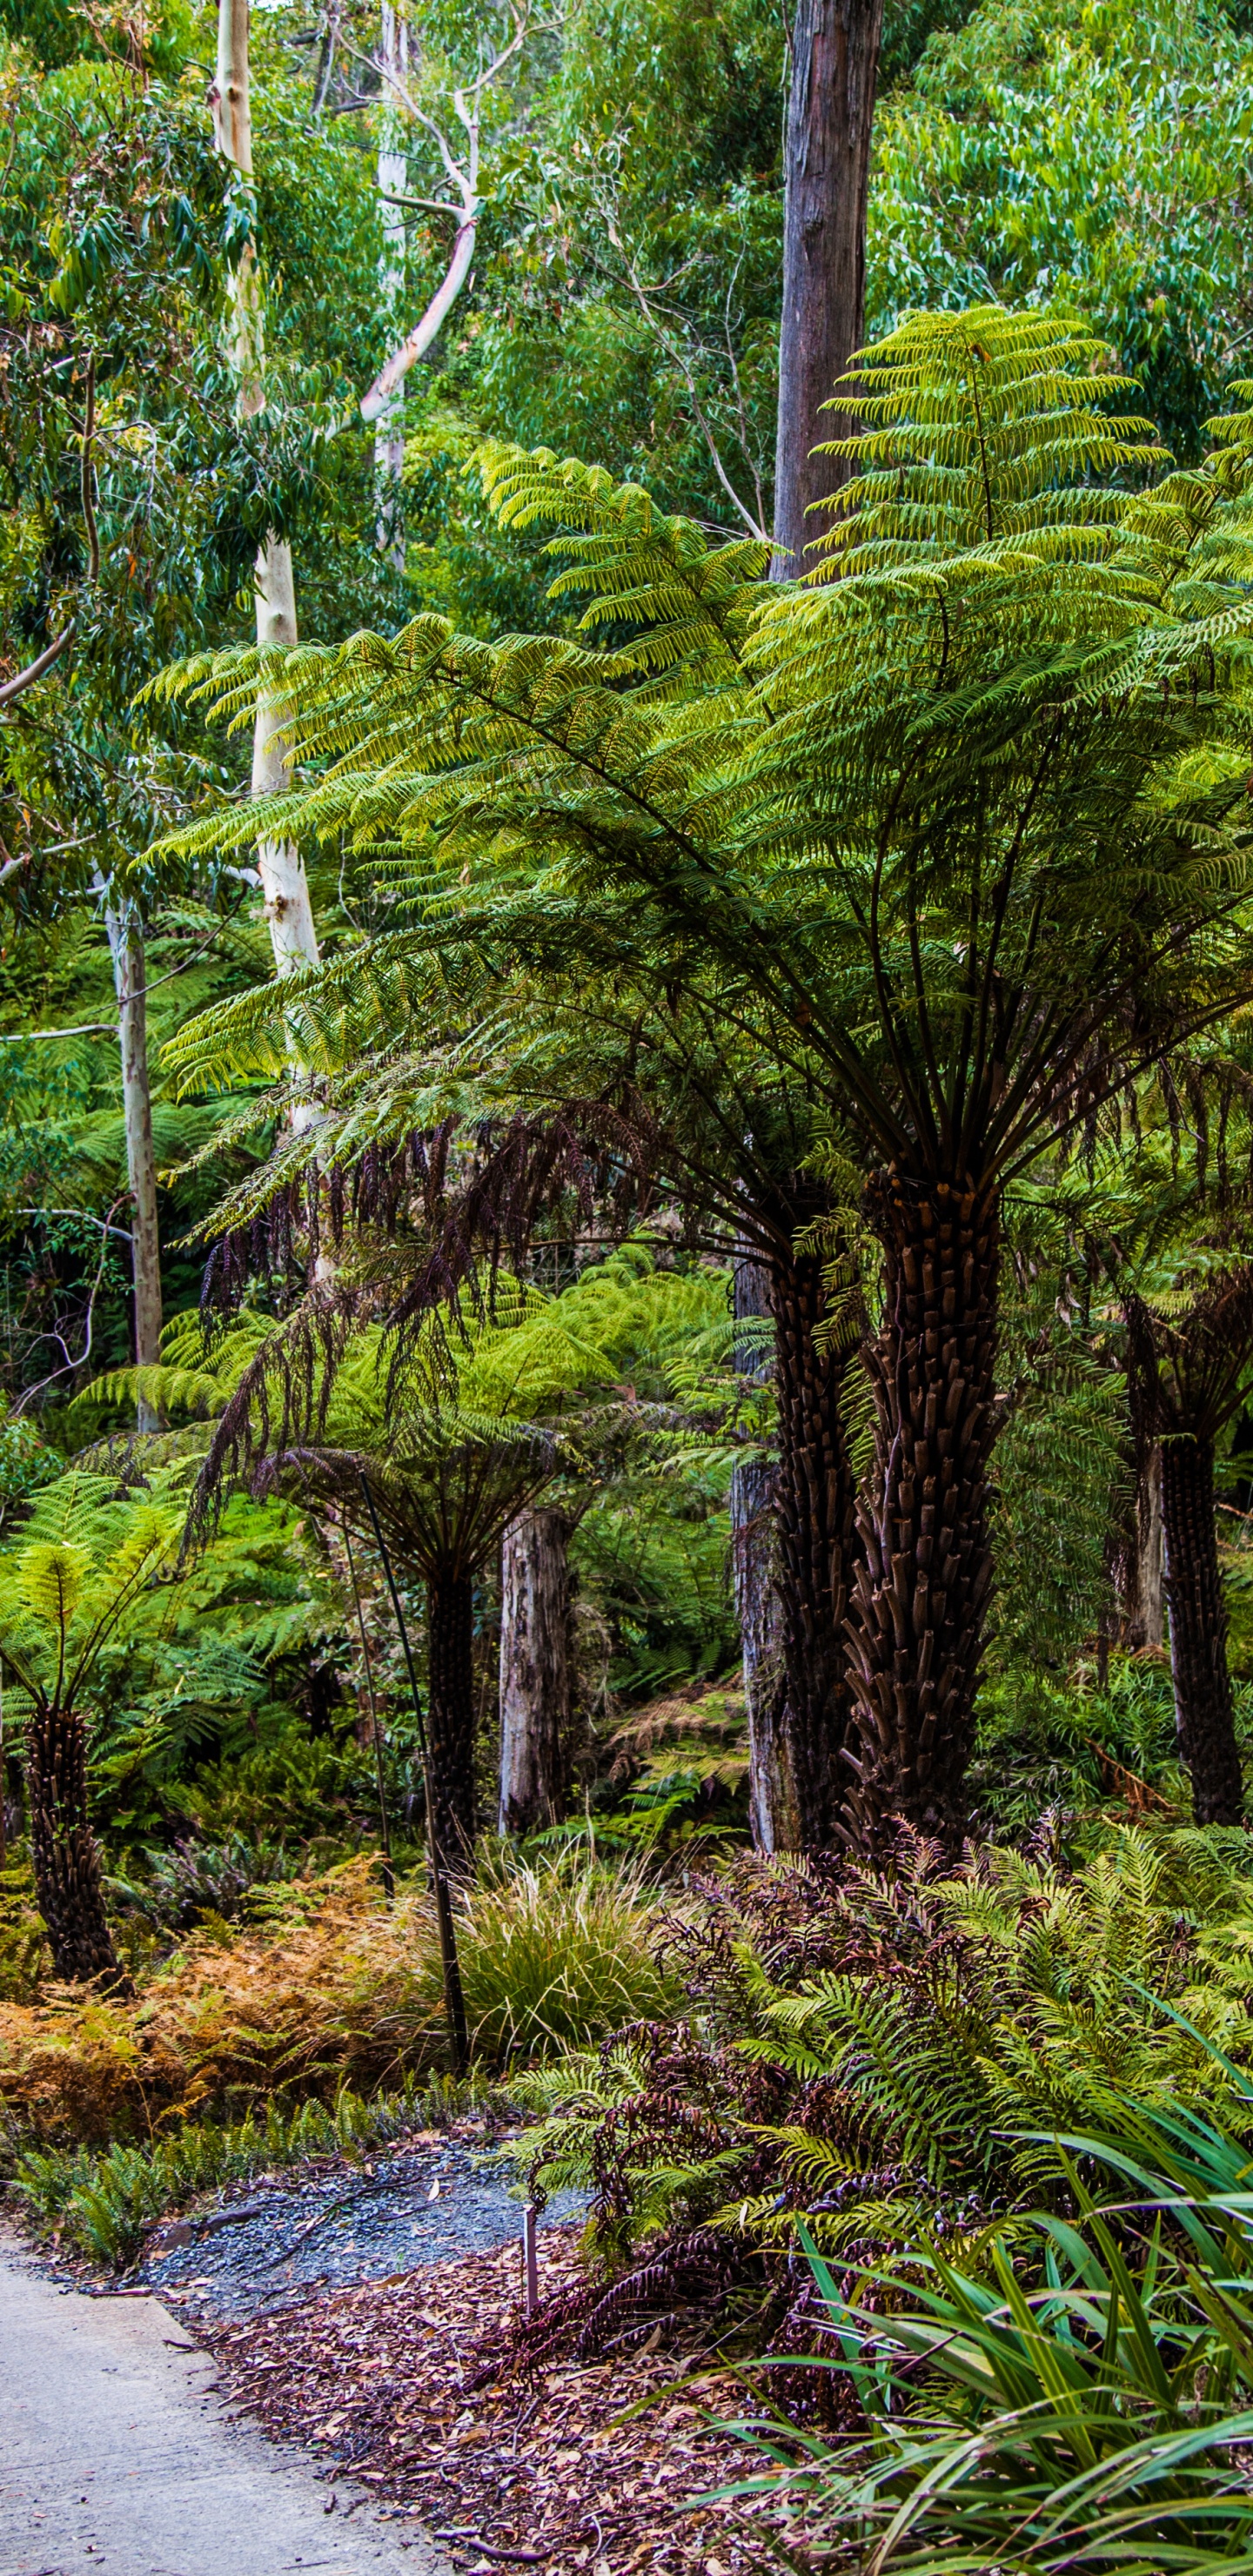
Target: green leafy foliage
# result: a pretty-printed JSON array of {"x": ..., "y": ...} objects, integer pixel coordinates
[
  {"x": 889, "y": 2059},
  {"x": 1094, "y": 2421},
  {"x": 107, "y": 2204}
]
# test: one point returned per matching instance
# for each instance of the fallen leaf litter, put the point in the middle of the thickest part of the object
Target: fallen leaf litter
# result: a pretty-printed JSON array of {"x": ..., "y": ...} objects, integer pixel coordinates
[{"x": 522, "y": 2472}]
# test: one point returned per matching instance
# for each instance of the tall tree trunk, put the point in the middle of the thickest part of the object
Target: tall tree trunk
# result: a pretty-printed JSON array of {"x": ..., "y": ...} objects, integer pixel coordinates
[
  {"x": 450, "y": 1692},
  {"x": 1204, "y": 1714},
  {"x": 922, "y": 1588},
  {"x": 754, "y": 1557},
  {"x": 534, "y": 1671},
  {"x": 393, "y": 177},
  {"x": 1150, "y": 1621},
  {"x": 288, "y": 909},
  {"x": 815, "y": 1527},
  {"x": 63, "y": 1848},
  {"x": 126, "y": 943},
  {"x": 835, "y": 62}
]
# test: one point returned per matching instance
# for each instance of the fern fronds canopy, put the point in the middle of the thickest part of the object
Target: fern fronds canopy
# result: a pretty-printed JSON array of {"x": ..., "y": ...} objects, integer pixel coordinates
[{"x": 951, "y": 815}]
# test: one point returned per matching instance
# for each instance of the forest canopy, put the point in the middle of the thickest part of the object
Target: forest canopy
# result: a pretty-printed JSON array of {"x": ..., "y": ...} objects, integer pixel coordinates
[{"x": 549, "y": 1040}]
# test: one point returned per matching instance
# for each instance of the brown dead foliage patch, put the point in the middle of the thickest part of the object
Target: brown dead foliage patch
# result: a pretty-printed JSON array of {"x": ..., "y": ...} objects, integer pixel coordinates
[
  {"x": 342, "y": 1988},
  {"x": 540, "y": 2470}
]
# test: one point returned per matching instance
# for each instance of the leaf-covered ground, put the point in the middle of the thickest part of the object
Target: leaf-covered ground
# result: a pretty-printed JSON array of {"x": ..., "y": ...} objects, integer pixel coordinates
[{"x": 567, "y": 2468}]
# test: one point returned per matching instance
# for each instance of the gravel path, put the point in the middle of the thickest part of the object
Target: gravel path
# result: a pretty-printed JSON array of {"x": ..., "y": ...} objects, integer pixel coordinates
[
  {"x": 115, "y": 2454},
  {"x": 335, "y": 2224}
]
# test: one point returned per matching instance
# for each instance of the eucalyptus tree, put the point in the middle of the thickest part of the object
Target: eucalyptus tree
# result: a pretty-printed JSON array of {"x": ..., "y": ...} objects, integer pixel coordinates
[
  {"x": 935, "y": 815},
  {"x": 834, "y": 64}
]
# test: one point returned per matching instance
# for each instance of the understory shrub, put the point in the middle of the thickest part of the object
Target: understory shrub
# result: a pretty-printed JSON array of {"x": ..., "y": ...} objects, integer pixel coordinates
[
  {"x": 106, "y": 2203},
  {"x": 887, "y": 2058},
  {"x": 23, "y": 1940},
  {"x": 327, "y": 1985},
  {"x": 556, "y": 1953},
  {"x": 1083, "y": 2404}
]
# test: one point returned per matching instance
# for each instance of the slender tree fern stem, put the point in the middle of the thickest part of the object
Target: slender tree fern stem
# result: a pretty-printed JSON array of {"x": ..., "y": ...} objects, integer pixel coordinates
[
  {"x": 126, "y": 943},
  {"x": 1204, "y": 1712},
  {"x": 921, "y": 1591},
  {"x": 450, "y": 1694}
]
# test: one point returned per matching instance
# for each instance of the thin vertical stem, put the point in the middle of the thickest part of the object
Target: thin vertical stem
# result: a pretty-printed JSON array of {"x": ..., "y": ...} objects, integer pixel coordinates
[
  {"x": 454, "y": 2000},
  {"x": 385, "y": 1833}
]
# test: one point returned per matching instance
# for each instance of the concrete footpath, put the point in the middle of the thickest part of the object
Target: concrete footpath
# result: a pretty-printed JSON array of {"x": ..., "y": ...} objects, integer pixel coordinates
[{"x": 114, "y": 2453}]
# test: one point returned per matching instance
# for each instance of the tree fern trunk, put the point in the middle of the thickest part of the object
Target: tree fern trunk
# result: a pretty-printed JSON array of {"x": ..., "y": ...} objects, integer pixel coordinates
[
  {"x": 815, "y": 1536},
  {"x": 1204, "y": 1714},
  {"x": 534, "y": 1671},
  {"x": 63, "y": 1849},
  {"x": 451, "y": 1719},
  {"x": 921, "y": 1590}
]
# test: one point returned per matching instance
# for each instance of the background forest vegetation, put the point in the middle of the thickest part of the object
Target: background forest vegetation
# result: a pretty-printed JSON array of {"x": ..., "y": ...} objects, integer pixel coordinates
[{"x": 509, "y": 1258}]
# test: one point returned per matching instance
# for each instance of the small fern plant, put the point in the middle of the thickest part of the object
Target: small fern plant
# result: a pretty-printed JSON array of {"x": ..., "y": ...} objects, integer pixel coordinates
[{"x": 86, "y": 1565}]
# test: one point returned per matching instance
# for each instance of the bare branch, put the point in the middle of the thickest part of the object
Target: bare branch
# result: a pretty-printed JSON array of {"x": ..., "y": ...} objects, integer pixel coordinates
[
  {"x": 464, "y": 176},
  {"x": 84, "y": 1216},
  {"x": 86, "y": 475},
  {"x": 424, "y": 332},
  {"x": 35, "y": 670}
]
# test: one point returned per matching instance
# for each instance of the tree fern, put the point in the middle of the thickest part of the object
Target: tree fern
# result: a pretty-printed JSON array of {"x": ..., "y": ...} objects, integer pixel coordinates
[{"x": 962, "y": 834}]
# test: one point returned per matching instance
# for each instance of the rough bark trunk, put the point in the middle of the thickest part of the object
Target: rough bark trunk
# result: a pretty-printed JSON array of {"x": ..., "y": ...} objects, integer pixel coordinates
[
  {"x": 288, "y": 910},
  {"x": 450, "y": 1695},
  {"x": 922, "y": 1588},
  {"x": 63, "y": 1849},
  {"x": 129, "y": 974},
  {"x": 815, "y": 1530},
  {"x": 835, "y": 61},
  {"x": 1204, "y": 1714},
  {"x": 1150, "y": 1555},
  {"x": 534, "y": 1671},
  {"x": 393, "y": 176},
  {"x": 754, "y": 1557}
]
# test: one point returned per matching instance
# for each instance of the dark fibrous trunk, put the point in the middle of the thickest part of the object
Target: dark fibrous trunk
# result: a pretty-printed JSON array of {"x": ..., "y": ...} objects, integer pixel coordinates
[
  {"x": 1204, "y": 1712},
  {"x": 814, "y": 1534},
  {"x": 922, "y": 1587},
  {"x": 450, "y": 1685},
  {"x": 835, "y": 61},
  {"x": 534, "y": 1671},
  {"x": 63, "y": 1849}
]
